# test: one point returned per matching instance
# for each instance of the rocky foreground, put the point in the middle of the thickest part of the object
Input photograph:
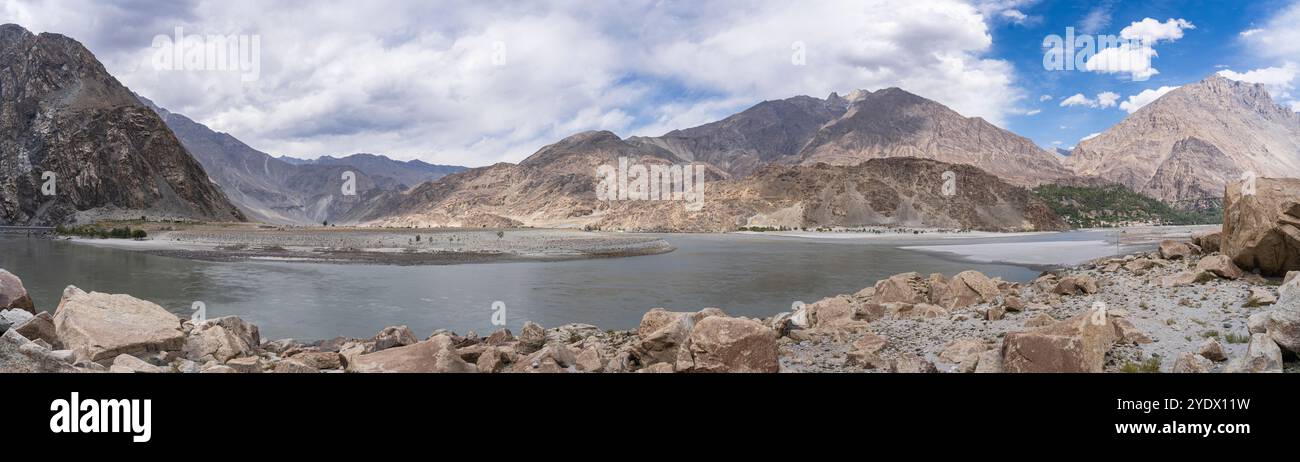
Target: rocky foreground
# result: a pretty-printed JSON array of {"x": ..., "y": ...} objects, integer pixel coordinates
[{"x": 1183, "y": 308}]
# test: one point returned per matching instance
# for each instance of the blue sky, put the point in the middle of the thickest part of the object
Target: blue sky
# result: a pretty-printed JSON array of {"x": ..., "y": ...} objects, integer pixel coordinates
[
  {"x": 475, "y": 83},
  {"x": 1213, "y": 45}
]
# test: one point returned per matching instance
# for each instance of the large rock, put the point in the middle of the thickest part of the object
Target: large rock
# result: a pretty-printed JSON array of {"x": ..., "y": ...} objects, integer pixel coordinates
[
  {"x": 100, "y": 326},
  {"x": 1077, "y": 344},
  {"x": 1262, "y": 355},
  {"x": 40, "y": 327},
  {"x": 970, "y": 288},
  {"x": 961, "y": 350},
  {"x": 394, "y": 336},
  {"x": 1262, "y": 230},
  {"x": 1174, "y": 250},
  {"x": 1221, "y": 266},
  {"x": 721, "y": 344},
  {"x": 13, "y": 294},
  {"x": 1209, "y": 242},
  {"x": 1283, "y": 326},
  {"x": 435, "y": 355},
  {"x": 20, "y": 355},
  {"x": 1288, "y": 294},
  {"x": 1193, "y": 363},
  {"x": 831, "y": 311},
  {"x": 130, "y": 364},
  {"x": 531, "y": 338},
  {"x": 222, "y": 339},
  {"x": 901, "y": 288}
]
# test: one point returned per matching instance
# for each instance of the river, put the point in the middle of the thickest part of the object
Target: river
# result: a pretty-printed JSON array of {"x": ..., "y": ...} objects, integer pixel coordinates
[{"x": 744, "y": 274}]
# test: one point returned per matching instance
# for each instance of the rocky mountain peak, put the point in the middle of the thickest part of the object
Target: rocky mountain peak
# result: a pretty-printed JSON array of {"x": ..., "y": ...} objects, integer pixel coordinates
[{"x": 110, "y": 154}]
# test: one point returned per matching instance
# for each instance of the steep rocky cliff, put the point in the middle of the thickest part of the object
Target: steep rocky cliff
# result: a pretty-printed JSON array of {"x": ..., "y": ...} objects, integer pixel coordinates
[{"x": 110, "y": 156}]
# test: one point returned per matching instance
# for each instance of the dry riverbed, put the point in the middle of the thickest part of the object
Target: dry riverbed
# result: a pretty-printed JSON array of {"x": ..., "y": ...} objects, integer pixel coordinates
[{"x": 242, "y": 242}]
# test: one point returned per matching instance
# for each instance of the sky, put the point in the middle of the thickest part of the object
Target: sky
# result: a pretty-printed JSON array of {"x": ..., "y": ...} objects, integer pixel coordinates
[{"x": 476, "y": 83}]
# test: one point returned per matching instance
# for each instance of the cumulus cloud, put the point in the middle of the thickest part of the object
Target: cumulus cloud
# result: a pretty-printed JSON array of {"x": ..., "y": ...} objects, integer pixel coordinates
[
  {"x": 1133, "y": 56},
  {"x": 1277, "y": 79},
  {"x": 475, "y": 83},
  {"x": 1144, "y": 98},
  {"x": 1151, "y": 31},
  {"x": 1044, "y": 98},
  {"x": 1104, "y": 99}
]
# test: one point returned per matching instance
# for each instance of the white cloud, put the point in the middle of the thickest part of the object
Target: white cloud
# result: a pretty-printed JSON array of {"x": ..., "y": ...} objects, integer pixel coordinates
[
  {"x": 417, "y": 80},
  {"x": 1127, "y": 58},
  {"x": 1091, "y": 136},
  {"x": 1134, "y": 57},
  {"x": 1279, "y": 37},
  {"x": 1279, "y": 80},
  {"x": 1033, "y": 112},
  {"x": 1107, "y": 99},
  {"x": 1044, "y": 98},
  {"x": 1144, "y": 98},
  {"x": 1104, "y": 99},
  {"x": 1151, "y": 31}
]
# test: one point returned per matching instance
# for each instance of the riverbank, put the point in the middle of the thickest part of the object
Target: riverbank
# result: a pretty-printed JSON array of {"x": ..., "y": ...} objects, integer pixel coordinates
[
  {"x": 1177, "y": 309},
  {"x": 389, "y": 246}
]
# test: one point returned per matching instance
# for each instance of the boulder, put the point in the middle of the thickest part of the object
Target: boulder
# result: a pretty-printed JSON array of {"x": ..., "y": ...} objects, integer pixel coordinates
[
  {"x": 221, "y": 339},
  {"x": 990, "y": 362},
  {"x": 319, "y": 359},
  {"x": 40, "y": 327},
  {"x": 1221, "y": 266},
  {"x": 1072, "y": 285},
  {"x": 1174, "y": 250},
  {"x": 531, "y": 338},
  {"x": 972, "y": 287},
  {"x": 1262, "y": 230},
  {"x": 1262, "y": 355},
  {"x": 130, "y": 364},
  {"x": 1077, "y": 344},
  {"x": 1209, "y": 242},
  {"x": 662, "y": 345},
  {"x": 436, "y": 355},
  {"x": 590, "y": 359},
  {"x": 961, "y": 350},
  {"x": 13, "y": 294},
  {"x": 553, "y": 358},
  {"x": 831, "y": 311},
  {"x": 1126, "y": 332},
  {"x": 1283, "y": 326},
  {"x": 1187, "y": 278},
  {"x": 1192, "y": 363},
  {"x": 901, "y": 288},
  {"x": 1260, "y": 296},
  {"x": 865, "y": 351},
  {"x": 1040, "y": 320},
  {"x": 908, "y": 363},
  {"x": 1140, "y": 266},
  {"x": 14, "y": 316},
  {"x": 393, "y": 336},
  {"x": 20, "y": 355},
  {"x": 1258, "y": 323},
  {"x": 721, "y": 344},
  {"x": 247, "y": 364},
  {"x": 502, "y": 336},
  {"x": 492, "y": 360},
  {"x": 100, "y": 326},
  {"x": 940, "y": 290},
  {"x": 294, "y": 366},
  {"x": 660, "y": 368},
  {"x": 1288, "y": 294},
  {"x": 219, "y": 369},
  {"x": 1213, "y": 350},
  {"x": 1013, "y": 304}
]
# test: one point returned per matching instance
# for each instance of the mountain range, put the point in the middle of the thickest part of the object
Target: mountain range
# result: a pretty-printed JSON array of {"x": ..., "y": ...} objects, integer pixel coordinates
[{"x": 867, "y": 158}]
